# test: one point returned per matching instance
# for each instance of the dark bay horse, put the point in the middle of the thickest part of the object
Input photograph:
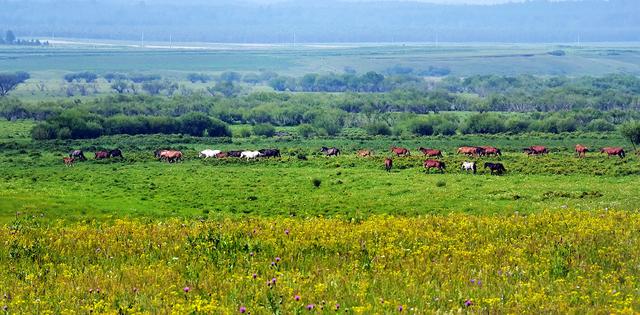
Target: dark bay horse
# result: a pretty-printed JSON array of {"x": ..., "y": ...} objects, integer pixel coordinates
[
  {"x": 613, "y": 151},
  {"x": 234, "y": 154},
  {"x": 330, "y": 151},
  {"x": 495, "y": 168},
  {"x": 398, "y": 151},
  {"x": 388, "y": 164},
  {"x": 115, "y": 153},
  {"x": 270, "y": 152},
  {"x": 430, "y": 152},
  {"x": 429, "y": 164}
]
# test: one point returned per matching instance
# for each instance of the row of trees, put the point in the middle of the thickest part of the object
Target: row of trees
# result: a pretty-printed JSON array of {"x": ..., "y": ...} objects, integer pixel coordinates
[
  {"x": 76, "y": 124},
  {"x": 11, "y": 39}
]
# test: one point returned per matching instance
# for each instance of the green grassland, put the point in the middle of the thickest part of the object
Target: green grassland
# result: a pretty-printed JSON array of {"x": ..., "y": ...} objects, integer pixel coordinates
[{"x": 34, "y": 181}]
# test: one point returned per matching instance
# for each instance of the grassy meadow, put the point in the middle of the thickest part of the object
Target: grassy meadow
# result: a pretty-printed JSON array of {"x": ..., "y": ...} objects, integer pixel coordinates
[{"x": 306, "y": 233}]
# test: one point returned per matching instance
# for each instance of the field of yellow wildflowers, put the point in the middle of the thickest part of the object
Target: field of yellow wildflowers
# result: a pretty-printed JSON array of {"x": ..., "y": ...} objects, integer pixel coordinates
[{"x": 572, "y": 261}]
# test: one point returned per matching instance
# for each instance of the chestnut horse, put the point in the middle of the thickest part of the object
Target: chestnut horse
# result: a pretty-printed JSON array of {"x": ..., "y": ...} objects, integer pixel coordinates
[
  {"x": 471, "y": 151},
  {"x": 364, "y": 153},
  {"x": 429, "y": 164},
  {"x": 613, "y": 151},
  {"x": 102, "y": 155},
  {"x": 430, "y": 152},
  {"x": 68, "y": 161},
  {"x": 581, "y": 150},
  {"x": 535, "y": 150},
  {"x": 487, "y": 151},
  {"x": 171, "y": 156},
  {"x": 400, "y": 151},
  {"x": 388, "y": 164}
]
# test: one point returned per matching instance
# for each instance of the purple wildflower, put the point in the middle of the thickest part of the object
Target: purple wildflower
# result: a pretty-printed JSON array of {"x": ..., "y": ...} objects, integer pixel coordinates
[
  {"x": 468, "y": 303},
  {"x": 337, "y": 306},
  {"x": 243, "y": 309},
  {"x": 297, "y": 297},
  {"x": 400, "y": 308},
  {"x": 255, "y": 275},
  {"x": 286, "y": 231},
  {"x": 473, "y": 280},
  {"x": 273, "y": 263},
  {"x": 273, "y": 281},
  {"x": 186, "y": 289},
  {"x": 277, "y": 259},
  {"x": 310, "y": 306},
  {"x": 479, "y": 283}
]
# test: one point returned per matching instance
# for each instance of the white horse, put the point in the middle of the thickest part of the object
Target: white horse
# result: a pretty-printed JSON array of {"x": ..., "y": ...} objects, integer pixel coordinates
[
  {"x": 469, "y": 166},
  {"x": 208, "y": 153},
  {"x": 250, "y": 154}
]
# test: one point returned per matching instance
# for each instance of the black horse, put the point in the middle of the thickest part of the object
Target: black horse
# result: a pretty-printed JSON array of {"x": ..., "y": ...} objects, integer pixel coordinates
[
  {"x": 234, "y": 154},
  {"x": 270, "y": 152},
  {"x": 78, "y": 155},
  {"x": 496, "y": 168},
  {"x": 330, "y": 151},
  {"x": 116, "y": 153}
]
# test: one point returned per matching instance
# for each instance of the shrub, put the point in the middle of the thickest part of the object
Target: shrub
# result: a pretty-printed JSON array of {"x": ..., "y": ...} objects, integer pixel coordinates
[
  {"x": 306, "y": 130},
  {"x": 600, "y": 125},
  {"x": 44, "y": 131},
  {"x": 421, "y": 127},
  {"x": 484, "y": 123},
  {"x": 266, "y": 130},
  {"x": 378, "y": 129},
  {"x": 316, "y": 182}
]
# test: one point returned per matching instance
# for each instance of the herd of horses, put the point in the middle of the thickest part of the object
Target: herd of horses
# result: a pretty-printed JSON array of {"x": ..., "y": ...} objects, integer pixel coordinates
[{"x": 432, "y": 162}]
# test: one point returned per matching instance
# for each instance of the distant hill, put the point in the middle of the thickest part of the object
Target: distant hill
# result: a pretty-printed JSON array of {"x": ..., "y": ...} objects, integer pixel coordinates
[{"x": 326, "y": 21}]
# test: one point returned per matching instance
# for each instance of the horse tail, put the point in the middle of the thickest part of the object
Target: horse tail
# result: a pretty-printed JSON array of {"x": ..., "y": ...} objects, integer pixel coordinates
[{"x": 621, "y": 154}]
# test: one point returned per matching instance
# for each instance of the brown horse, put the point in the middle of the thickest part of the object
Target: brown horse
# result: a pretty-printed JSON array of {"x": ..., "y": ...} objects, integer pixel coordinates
[
  {"x": 365, "y": 153},
  {"x": 535, "y": 150},
  {"x": 171, "y": 156},
  {"x": 388, "y": 164},
  {"x": 429, "y": 164},
  {"x": 613, "y": 151},
  {"x": 221, "y": 155},
  {"x": 581, "y": 150},
  {"x": 487, "y": 151},
  {"x": 471, "y": 151},
  {"x": 68, "y": 161},
  {"x": 101, "y": 155},
  {"x": 430, "y": 152},
  {"x": 398, "y": 151}
]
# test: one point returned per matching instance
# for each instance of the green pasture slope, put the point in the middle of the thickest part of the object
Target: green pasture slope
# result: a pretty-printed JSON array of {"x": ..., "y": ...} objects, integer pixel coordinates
[{"x": 35, "y": 182}]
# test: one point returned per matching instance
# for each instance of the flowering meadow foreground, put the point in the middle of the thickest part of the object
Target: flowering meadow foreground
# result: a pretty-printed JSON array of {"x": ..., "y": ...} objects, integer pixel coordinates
[{"x": 571, "y": 261}]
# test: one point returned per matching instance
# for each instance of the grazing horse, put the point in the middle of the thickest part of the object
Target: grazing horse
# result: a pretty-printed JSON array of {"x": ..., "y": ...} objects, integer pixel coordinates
[
  {"x": 78, "y": 155},
  {"x": 429, "y": 164},
  {"x": 157, "y": 153},
  {"x": 495, "y": 168},
  {"x": 471, "y": 151},
  {"x": 388, "y": 164},
  {"x": 330, "y": 151},
  {"x": 581, "y": 150},
  {"x": 398, "y": 151},
  {"x": 613, "y": 151},
  {"x": 68, "y": 161},
  {"x": 430, "y": 152},
  {"x": 171, "y": 156},
  {"x": 469, "y": 166},
  {"x": 101, "y": 155},
  {"x": 365, "y": 153},
  {"x": 487, "y": 151},
  {"x": 116, "y": 153},
  {"x": 234, "y": 153},
  {"x": 535, "y": 150},
  {"x": 208, "y": 153},
  {"x": 221, "y": 155},
  {"x": 250, "y": 154},
  {"x": 270, "y": 152}
]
